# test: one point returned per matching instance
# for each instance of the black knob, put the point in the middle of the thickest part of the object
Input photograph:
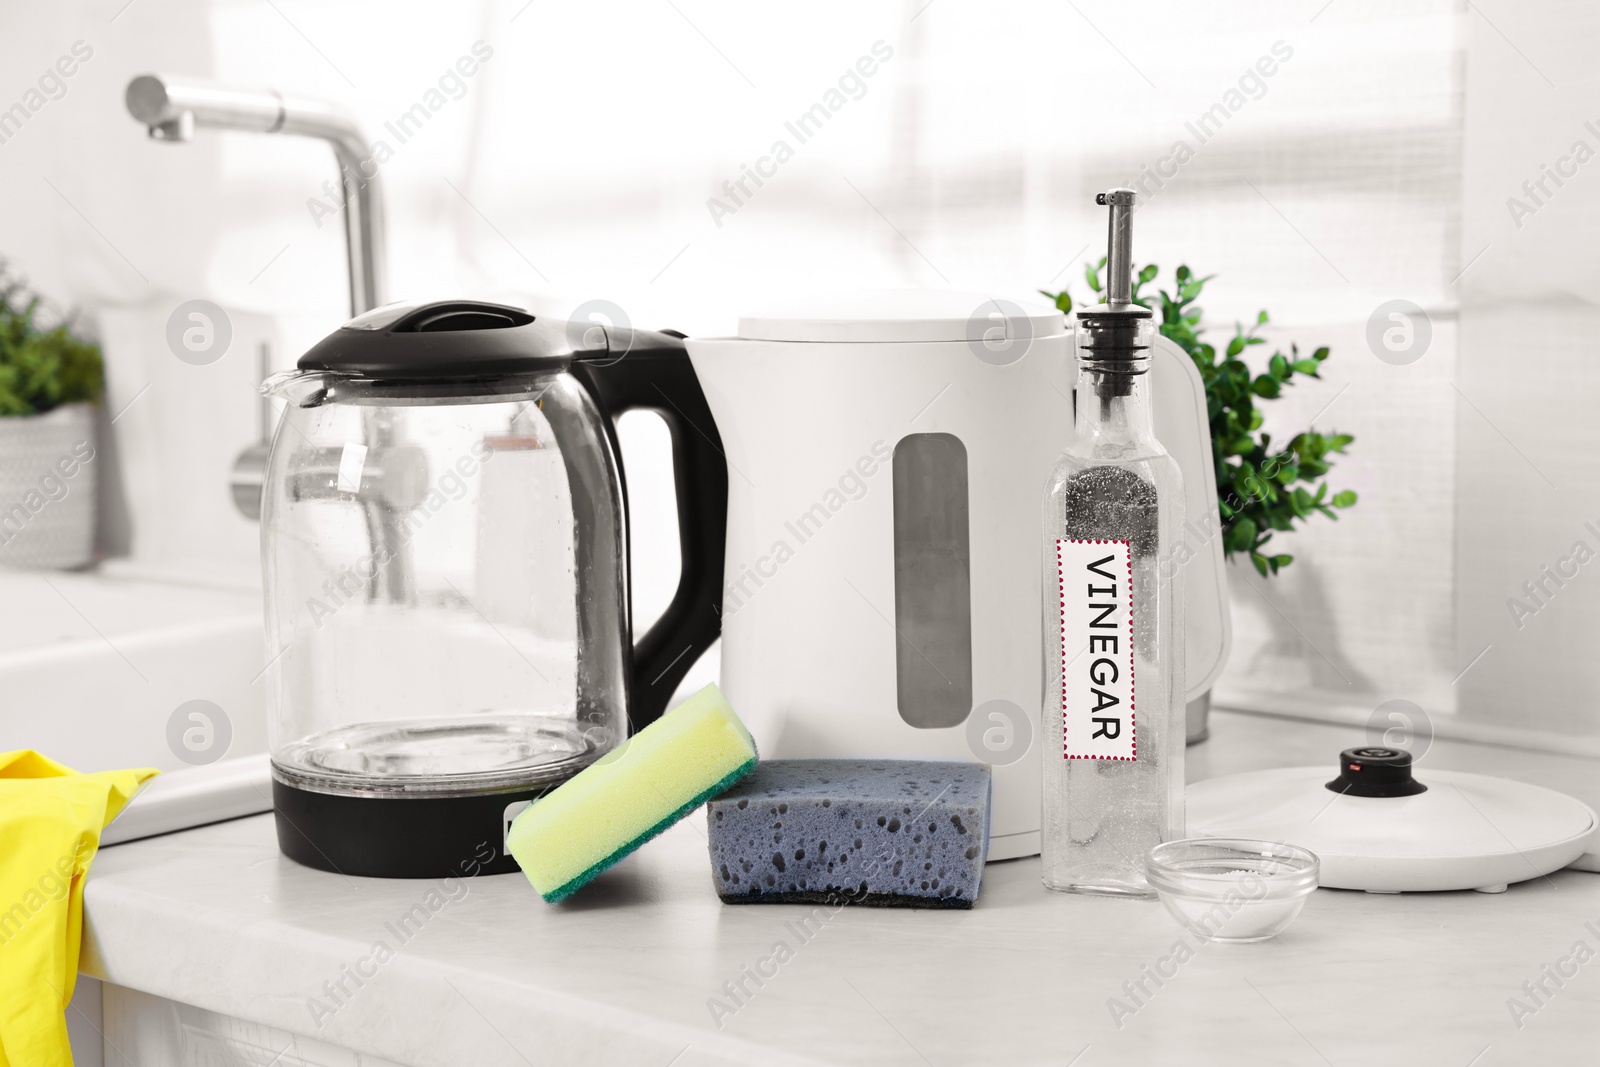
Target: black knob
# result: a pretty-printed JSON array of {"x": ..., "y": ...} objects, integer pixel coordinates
[{"x": 1375, "y": 772}]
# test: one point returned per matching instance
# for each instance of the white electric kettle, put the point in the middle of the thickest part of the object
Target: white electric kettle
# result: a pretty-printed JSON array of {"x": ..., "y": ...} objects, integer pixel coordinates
[{"x": 886, "y": 455}]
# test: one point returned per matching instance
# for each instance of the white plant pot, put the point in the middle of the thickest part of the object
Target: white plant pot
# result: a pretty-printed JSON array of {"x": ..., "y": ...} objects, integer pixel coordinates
[{"x": 47, "y": 488}]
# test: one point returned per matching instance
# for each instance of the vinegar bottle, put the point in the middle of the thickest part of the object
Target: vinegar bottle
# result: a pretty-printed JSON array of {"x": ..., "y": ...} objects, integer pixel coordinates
[{"x": 1113, "y": 617}]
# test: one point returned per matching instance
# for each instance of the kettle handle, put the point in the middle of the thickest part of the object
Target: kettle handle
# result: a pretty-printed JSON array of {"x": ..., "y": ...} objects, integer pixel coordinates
[{"x": 654, "y": 373}]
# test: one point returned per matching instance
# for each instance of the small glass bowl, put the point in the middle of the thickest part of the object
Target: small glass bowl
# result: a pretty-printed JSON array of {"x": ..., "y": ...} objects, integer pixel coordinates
[{"x": 1231, "y": 889}]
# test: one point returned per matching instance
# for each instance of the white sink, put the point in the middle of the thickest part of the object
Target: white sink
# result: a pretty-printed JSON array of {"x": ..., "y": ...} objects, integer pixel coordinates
[
  {"x": 92, "y": 667},
  {"x": 95, "y": 666}
]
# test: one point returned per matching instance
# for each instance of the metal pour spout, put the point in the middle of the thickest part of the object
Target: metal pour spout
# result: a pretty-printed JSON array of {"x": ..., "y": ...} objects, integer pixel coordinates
[
  {"x": 1119, "y": 246},
  {"x": 1113, "y": 338},
  {"x": 171, "y": 109}
]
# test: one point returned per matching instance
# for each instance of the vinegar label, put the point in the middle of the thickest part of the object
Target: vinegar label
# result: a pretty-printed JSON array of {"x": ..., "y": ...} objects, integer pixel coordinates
[{"x": 1095, "y": 594}]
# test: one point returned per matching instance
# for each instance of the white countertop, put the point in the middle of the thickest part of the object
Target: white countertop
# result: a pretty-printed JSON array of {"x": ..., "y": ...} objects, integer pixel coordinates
[{"x": 215, "y": 917}]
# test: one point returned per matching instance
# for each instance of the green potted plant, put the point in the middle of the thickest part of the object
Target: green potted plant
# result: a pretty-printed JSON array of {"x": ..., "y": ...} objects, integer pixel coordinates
[
  {"x": 1262, "y": 490},
  {"x": 50, "y": 381}
]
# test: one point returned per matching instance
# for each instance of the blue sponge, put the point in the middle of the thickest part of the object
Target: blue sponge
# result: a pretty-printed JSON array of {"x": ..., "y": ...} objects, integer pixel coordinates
[{"x": 895, "y": 833}]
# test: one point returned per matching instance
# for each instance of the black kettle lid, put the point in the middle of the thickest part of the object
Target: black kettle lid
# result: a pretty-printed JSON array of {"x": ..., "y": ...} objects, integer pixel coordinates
[{"x": 452, "y": 340}]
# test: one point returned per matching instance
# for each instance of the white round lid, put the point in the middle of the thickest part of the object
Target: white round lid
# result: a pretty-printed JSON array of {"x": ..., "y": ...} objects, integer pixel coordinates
[
  {"x": 1466, "y": 831},
  {"x": 903, "y": 315}
]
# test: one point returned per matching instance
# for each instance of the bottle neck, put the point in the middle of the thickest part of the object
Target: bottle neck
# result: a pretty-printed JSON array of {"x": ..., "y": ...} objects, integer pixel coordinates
[{"x": 1113, "y": 409}]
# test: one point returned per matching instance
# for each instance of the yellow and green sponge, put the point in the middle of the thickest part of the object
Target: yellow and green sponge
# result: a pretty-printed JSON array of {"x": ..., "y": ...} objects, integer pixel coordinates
[{"x": 692, "y": 753}]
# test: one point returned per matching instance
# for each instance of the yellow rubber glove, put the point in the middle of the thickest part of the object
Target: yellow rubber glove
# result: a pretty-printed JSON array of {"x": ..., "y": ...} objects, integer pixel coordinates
[{"x": 50, "y": 822}]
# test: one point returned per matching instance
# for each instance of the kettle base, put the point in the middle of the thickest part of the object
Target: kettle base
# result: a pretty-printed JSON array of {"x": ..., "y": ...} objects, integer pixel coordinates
[{"x": 399, "y": 837}]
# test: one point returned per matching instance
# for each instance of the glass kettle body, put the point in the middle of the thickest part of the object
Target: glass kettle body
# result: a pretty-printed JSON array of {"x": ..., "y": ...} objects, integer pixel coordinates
[{"x": 445, "y": 564}]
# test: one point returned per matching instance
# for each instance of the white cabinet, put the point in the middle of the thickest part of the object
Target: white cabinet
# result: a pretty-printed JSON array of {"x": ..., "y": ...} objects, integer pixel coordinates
[{"x": 140, "y": 1028}]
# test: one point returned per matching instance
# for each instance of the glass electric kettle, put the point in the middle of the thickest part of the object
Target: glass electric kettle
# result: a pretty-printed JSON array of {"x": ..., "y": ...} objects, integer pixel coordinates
[{"x": 444, "y": 546}]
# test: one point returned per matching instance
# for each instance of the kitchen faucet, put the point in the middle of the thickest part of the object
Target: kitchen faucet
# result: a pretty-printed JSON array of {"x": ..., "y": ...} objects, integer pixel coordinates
[{"x": 171, "y": 109}]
